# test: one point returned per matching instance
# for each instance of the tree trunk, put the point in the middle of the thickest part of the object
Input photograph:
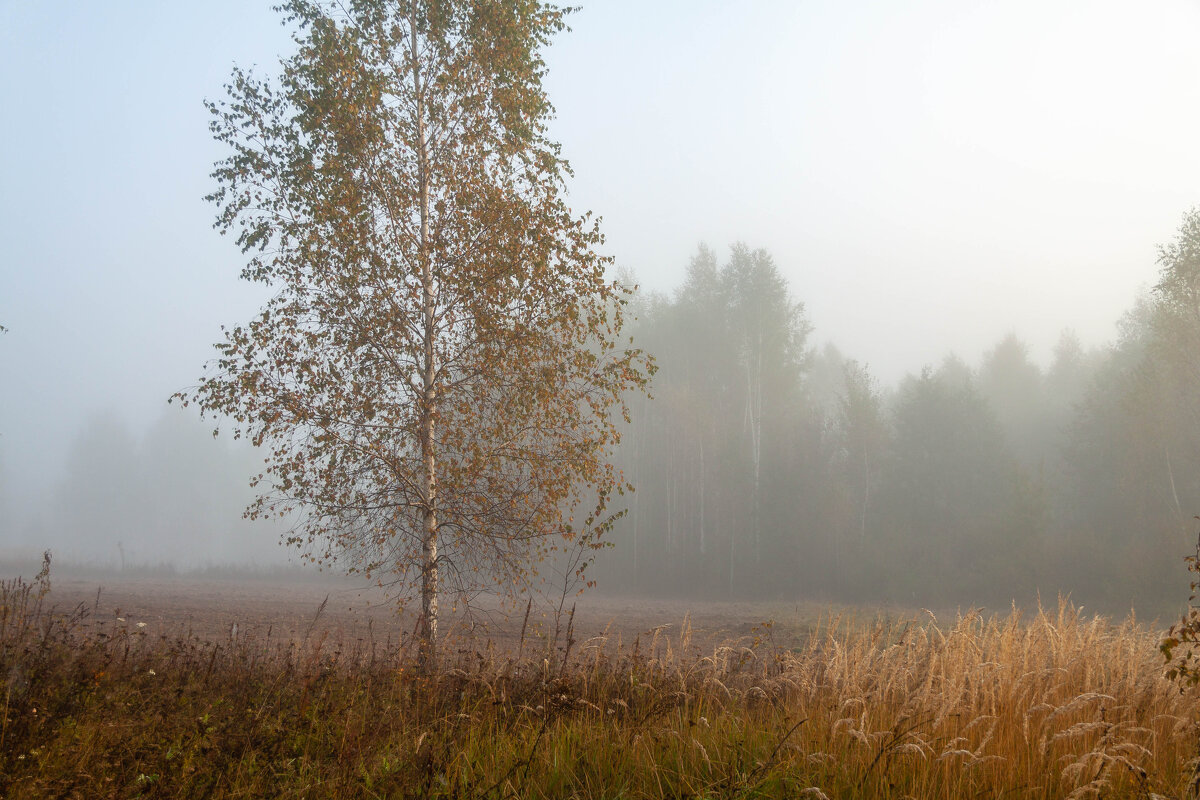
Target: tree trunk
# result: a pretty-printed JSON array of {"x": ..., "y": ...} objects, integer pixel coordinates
[
  {"x": 754, "y": 420},
  {"x": 703, "y": 547},
  {"x": 732, "y": 551},
  {"x": 1174, "y": 494},
  {"x": 637, "y": 496},
  {"x": 427, "y": 659},
  {"x": 866, "y": 496}
]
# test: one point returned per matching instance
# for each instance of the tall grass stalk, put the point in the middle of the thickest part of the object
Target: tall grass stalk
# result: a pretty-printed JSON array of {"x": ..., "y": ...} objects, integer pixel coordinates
[{"x": 1053, "y": 706}]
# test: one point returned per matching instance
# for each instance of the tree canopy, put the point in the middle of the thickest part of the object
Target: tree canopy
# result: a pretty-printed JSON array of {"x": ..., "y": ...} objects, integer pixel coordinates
[{"x": 437, "y": 377}]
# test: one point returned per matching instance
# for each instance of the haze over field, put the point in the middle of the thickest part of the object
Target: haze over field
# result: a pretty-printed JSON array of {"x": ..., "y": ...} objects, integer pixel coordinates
[{"x": 925, "y": 180}]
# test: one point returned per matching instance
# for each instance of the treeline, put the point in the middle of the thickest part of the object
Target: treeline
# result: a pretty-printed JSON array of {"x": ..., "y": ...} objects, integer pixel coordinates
[
  {"x": 766, "y": 468},
  {"x": 170, "y": 497}
]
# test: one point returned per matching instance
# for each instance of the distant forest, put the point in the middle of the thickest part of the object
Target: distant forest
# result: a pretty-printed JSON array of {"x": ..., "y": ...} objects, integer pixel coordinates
[{"x": 766, "y": 468}]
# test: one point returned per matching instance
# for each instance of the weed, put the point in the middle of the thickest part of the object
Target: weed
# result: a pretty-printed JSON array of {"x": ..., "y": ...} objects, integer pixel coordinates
[{"x": 1055, "y": 706}]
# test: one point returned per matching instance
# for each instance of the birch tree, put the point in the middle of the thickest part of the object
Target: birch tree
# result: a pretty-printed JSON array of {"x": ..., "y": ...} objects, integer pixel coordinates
[
  {"x": 436, "y": 378},
  {"x": 863, "y": 430},
  {"x": 769, "y": 331}
]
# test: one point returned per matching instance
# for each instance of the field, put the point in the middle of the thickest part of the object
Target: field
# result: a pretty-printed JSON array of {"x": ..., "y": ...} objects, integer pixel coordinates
[
  {"x": 350, "y": 611},
  {"x": 219, "y": 688}
]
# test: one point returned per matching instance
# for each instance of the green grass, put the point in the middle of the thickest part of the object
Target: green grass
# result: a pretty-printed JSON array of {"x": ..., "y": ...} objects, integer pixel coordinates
[{"x": 1054, "y": 706}]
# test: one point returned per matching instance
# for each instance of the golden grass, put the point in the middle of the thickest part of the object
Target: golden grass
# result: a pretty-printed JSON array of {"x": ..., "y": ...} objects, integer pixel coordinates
[{"x": 1055, "y": 705}]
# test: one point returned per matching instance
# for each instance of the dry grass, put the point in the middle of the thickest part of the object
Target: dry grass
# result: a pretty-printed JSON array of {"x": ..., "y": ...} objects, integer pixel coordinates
[{"x": 1056, "y": 705}]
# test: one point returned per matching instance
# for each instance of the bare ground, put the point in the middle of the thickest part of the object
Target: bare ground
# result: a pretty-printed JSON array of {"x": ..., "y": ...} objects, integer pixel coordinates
[{"x": 345, "y": 612}]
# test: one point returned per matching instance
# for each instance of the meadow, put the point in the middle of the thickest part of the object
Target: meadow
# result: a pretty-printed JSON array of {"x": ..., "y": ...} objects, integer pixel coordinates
[{"x": 1048, "y": 704}]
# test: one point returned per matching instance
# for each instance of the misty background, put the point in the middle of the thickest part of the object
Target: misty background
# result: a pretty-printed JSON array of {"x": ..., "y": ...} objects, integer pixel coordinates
[{"x": 949, "y": 215}]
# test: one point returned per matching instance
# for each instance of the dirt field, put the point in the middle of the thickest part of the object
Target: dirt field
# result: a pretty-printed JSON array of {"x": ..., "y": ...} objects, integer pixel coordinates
[{"x": 288, "y": 611}]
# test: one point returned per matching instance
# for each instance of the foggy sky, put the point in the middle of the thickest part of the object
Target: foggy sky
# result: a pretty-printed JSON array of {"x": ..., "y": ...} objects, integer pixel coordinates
[{"x": 929, "y": 176}]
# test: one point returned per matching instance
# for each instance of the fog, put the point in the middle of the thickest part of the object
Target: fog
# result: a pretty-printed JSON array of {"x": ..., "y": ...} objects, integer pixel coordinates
[
  {"x": 168, "y": 496},
  {"x": 953, "y": 210},
  {"x": 768, "y": 467}
]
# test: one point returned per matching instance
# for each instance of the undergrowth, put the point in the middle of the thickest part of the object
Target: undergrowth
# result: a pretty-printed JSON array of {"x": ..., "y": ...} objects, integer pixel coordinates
[{"x": 1056, "y": 705}]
